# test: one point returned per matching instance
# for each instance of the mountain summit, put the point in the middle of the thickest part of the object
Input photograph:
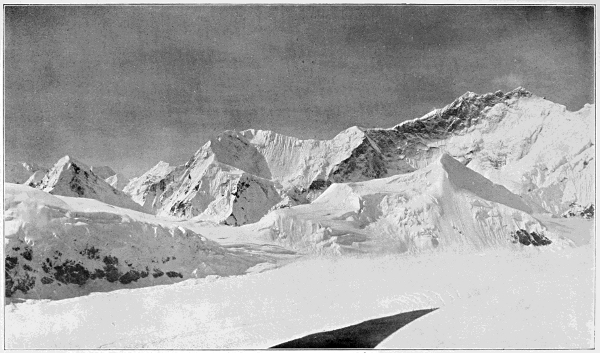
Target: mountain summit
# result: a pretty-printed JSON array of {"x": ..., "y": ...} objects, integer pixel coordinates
[
  {"x": 504, "y": 136},
  {"x": 70, "y": 177}
]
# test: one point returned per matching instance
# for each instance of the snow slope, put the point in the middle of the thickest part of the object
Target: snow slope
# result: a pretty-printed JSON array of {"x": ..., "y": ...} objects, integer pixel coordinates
[
  {"x": 220, "y": 192},
  {"x": 70, "y": 177},
  {"x": 300, "y": 163},
  {"x": 534, "y": 147},
  {"x": 314, "y": 295},
  {"x": 117, "y": 181},
  {"x": 444, "y": 204},
  {"x": 147, "y": 188},
  {"x": 208, "y": 189},
  {"x": 60, "y": 247},
  {"x": 551, "y": 309}
]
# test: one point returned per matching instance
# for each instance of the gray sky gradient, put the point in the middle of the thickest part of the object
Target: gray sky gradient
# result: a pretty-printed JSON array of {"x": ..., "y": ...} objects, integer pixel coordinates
[{"x": 127, "y": 86}]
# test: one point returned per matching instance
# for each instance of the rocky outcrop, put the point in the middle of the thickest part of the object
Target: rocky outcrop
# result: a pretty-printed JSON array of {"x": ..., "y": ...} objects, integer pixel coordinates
[
  {"x": 56, "y": 251},
  {"x": 442, "y": 205},
  {"x": 218, "y": 192},
  {"x": 576, "y": 210},
  {"x": 149, "y": 189}
]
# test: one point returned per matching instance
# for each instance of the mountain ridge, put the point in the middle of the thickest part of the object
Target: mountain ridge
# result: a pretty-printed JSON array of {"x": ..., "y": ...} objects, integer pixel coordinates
[{"x": 302, "y": 169}]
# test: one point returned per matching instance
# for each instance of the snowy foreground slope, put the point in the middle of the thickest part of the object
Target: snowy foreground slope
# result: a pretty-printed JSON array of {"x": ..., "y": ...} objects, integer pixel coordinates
[
  {"x": 458, "y": 211},
  {"x": 531, "y": 298},
  {"x": 60, "y": 247},
  {"x": 505, "y": 137}
]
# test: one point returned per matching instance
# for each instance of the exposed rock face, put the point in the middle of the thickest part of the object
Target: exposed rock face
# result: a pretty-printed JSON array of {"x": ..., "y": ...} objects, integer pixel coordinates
[
  {"x": 55, "y": 251},
  {"x": 147, "y": 189},
  {"x": 576, "y": 210},
  {"x": 444, "y": 204},
  {"x": 505, "y": 137},
  {"x": 218, "y": 192},
  {"x": 70, "y": 177},
  {"x": 524, "y": 237}
]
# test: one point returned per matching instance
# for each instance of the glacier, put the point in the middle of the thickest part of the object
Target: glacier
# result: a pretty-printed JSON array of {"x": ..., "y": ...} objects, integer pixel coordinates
[{"x": 473, "y": 209}]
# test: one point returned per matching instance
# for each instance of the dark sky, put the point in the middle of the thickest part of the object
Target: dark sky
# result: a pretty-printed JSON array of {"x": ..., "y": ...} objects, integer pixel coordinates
[{"x": 127, "y": 86}]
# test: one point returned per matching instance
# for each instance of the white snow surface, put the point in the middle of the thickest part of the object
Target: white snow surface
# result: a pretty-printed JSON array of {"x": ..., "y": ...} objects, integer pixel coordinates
[
  {"x": 53, "y": 246},
  {"x": 425, "y": 213},
  {"x": 297, "y": 163},
  {"x": 36, "y": 177},
  {"x": 505, "y": 137},
  {"x": 206, "y": 189},
  {"x": 444, "y": 204},
  {"x": 114, "y": 179},
  {"x": 117, "y": 181},
  {"x": 147, "y": 188},
  {"x": 534, "y": 147},
  {"x": 214, "y": 191},
  {"x": 533, "y": 298},
  {"x": 70, "y": 177}
]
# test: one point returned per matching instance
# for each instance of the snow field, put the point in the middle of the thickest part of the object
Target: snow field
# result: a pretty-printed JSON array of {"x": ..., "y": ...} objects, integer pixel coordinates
[
  {"x": 64, "y": 247},
  {"x": 325, "y": 293}
]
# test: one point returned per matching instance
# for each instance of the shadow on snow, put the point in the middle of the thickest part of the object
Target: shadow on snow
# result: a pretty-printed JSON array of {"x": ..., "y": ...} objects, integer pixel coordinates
[{"x": 367, "y": 334}]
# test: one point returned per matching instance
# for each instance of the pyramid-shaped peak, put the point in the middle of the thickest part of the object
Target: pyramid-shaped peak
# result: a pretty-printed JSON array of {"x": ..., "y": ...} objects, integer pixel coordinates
[
  {"x": 464, "y": 178},
  {"x": 72, "y": 178},
  {"x": 64, "y": 161}
]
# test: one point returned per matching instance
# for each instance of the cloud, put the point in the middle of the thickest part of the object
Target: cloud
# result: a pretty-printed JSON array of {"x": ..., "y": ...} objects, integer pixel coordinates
[{"x": 509, "y": 81}]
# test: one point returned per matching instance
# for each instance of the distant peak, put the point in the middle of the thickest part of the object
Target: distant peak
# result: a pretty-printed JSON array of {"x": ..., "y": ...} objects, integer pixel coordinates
[{"x": 65, "y": 160}]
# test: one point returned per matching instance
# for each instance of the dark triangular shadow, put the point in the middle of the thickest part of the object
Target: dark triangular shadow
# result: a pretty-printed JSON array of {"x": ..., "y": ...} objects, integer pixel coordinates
[{"x": 367, "y": 334}]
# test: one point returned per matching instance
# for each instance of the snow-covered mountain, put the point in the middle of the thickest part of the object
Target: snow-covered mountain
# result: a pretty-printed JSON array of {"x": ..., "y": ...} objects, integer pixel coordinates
[
  {"x": 70, "y": 177},
  {"x": 444, "y": 204},
  {"x": 505, "y": 137},
  {"x": 208, "y": 189},
  {"x": 147, "y": 188},
  {"x": 114, "y": 179},
  {"x": 58, "y": 247},
  {"x": 117, "y": 181},
  {"x": 456, "y": 210},
  {"x": 21, "y": 172},
  {"x": 534, "y": 147}
]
